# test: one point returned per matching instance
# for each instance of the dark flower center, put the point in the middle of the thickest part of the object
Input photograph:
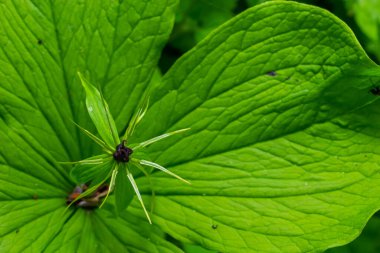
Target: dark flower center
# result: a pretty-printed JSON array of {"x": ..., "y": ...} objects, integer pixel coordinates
[{"x": 122, "y": 153}]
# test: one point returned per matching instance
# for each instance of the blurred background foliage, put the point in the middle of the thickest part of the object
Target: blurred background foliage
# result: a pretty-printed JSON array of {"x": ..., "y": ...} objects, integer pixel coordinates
[{"x": 195, "y": 19}]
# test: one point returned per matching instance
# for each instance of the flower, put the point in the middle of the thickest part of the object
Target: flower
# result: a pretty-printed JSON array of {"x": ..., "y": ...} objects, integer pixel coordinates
[{"x": 119, "y": 158}]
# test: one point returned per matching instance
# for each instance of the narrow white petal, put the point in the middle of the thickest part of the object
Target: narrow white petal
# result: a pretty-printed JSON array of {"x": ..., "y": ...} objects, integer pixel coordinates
[
  {"x": 99, "y": 141},
  {"x": 136, "y": 118},
  {"x": 113, "y": 179},
  {"x": 157, "y": 166},
  {"x": 160, "y": 137},
  {"x": 112, "y": 183},
  {"x": 87, "y": 161},
  {"x": 142, "y": 112},
  {"x": 132, "y": 180},
  {"x": 95, "y": 161}
]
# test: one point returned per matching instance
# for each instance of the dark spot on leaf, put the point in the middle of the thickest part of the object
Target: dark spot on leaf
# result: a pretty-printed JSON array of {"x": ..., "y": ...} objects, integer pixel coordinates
[
  {"x": 35, "y": 196},
  {"x": 375, "y": 91},
  {"x": 122, "y": 153},
  {"x": 40, "y": 42},
  {"x": 17, "y": 230},
  {"x": 272, "y": 73},
  {"x": 214, "y": 226}
]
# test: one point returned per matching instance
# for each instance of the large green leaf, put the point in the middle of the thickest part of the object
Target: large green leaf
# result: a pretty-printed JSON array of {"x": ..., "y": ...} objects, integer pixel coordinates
[
  {"x": 283, "y": 149},
  {"x": 86, "y": 170},
  {"x": 282, "y": 153},
  {"x": 102, "y": 232},
  {"x": 43, "y": 44}
]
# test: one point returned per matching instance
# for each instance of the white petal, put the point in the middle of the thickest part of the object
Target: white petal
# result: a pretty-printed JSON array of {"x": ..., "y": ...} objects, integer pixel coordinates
[{"x": 157, "y": 166}]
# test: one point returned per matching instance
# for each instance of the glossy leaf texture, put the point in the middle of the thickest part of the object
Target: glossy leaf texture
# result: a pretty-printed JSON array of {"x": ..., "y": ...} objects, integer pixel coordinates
[
  {"x": 43, "y": 44},
  {"x": 283, "y": 149}
]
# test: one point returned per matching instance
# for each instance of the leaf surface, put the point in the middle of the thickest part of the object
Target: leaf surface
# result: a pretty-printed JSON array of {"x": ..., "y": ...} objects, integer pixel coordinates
[
  {"x": 43, "y": 46},
  {"x": 102, "y": 232},
  {"x": 86, "y": 170},
  {"x": 283, "y": 148}
]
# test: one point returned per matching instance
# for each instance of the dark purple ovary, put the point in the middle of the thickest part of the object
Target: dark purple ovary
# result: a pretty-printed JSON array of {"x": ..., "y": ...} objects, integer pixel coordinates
[{"x": 122, "y": 153}]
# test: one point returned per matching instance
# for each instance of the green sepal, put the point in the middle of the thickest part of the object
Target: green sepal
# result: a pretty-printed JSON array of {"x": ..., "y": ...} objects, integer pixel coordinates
[
  {"x": 136, "y": 118},
  {"x": 115, "y": 170},
  {"x": 99, "y": 113},
  {"x": 85, "y": 172},
  {"x": 123, "y": 191}
]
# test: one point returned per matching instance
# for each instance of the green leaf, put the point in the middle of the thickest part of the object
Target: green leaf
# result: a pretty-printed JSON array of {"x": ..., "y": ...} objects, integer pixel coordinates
[
  {"x": 85, "y": 171},
  {"x": 137, "y": 117},
  {"x": 101, "y": 232},
  {"x": 111, "y": 187},
  {"x": 123, "y": 191},
  {"x": 100, "y": 176},
  {"x": 159, "y": 167},
  {"x": 43, "y": 46},
  {"x": 101, "y": 117},
  {"x": 195, "y": 249},
  {"x": 97, "y": 140},
  {"x": 158, "y": 138},
  {"x": 283, "y": 154},
  {"x": 367, "y": 242},
  {"x": 31, "y": 223}
]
